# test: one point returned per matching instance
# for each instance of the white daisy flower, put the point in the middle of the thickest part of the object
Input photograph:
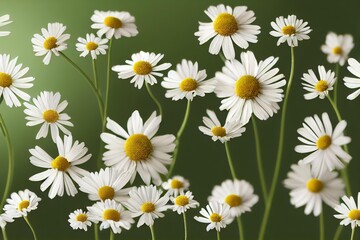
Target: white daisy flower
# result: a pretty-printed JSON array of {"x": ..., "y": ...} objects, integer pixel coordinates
[
  {"x": 175, "y": 185},
  {"x": 79, "y": 219},
  {"x": 48, "y": 111},
  {"x": 6, "y": 218},
  {"x": 249, "y": 87},
  {"x": 318, "y": 86},
  {"x": 183, "y": 202},
  {"x": 228, "y": 26},
  {"x": 217, "y": 215},
  {"x": 216, "y": 131},
  {"x": 353, "y": 82},
  {"x": 4, "y": 20},
  {"x": 111, "y": 215},
  {"x": 349, "y": 212},
  {"x": 114, "y": 23},
  {"x": 323, "y": 143},
  {"x": 106, "y": 184},
  {"x": 61, "y": 168},
  {"x": 93, "y": 45},
  {"x": 187, "y": 81},
  {"x": 337, "y": 47},
  {"x": 307, "y": 189},
  {"x": 290, "y": 30},
  {"x": 146, "y": 202},
  {"x": 22, "y": 202},
  {"x": 138, "y": 148},
  {"x": 12, "y": 80},
  {"x": 142, "y": 67}
]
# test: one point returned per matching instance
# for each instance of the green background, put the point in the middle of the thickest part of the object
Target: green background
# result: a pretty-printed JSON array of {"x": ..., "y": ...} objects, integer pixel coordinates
[{"x": 168, "y": 27}]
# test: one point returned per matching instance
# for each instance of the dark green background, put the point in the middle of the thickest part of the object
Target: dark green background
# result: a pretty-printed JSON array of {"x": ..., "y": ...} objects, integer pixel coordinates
[{"x": 168, "y": 27}]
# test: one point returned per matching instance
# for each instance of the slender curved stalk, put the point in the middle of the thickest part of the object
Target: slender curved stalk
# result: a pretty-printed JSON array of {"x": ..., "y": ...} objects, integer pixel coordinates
[
  {"x": 337, "y": 71},
  {"x": 31, "y": 227},
  {"x": 338, "y": 232},
  {"x": 154, "y": 99},
  {"x": 96, "y": 81},
  {"x": 4, "y": 234},
  {"x": 240, "y": 227},
  {"x": 152, "y": 232},
  {"x": 96, "y": 231},
  {"x": 231, "y": 166},
  {"x": 185, "y": 226},
  {"x": 112, "y": 237},
  {"x": 322, "y": 226},
  {"x": 218, "y": 235},
  {"x": 353, "y": 233},
  {"x": 107, "y": 86}
]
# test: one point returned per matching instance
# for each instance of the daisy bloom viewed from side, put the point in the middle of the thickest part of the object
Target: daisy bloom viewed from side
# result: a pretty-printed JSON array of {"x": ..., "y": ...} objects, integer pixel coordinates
[
  {"x": 337, "y": 47},
  {"x": 143, "y": 66},
  {"x": 4, "y": 20},
  {"x": 290, "y": 30},
  {"x": 176, "y": 184},
  {"x": 349, "y": 212},
  {"x": 79, "y": 220},
  {"x": 353, "y": 82},
  {"x": 318, "y": 86},
  {"x": 93, "y": 45},
  {"x": 52, "y": 41},
  {"x": 227, "y": 26},
  {"x": 22, "y": 203},
  {"x": 183, "y": 202}
]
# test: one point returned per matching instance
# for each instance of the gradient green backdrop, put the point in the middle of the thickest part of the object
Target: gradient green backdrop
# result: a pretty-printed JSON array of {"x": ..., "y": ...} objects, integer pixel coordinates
[{"x": 168, "y": 27}]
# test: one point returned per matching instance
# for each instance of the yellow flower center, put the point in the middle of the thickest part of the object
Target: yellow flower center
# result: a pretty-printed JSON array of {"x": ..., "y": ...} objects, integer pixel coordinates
[
  {"x": 111, "y": 214},
  {"x": 182, "y": 200},
  {"x": 5, "y": 80},
  {"x": 50, "y": 43},
  {"x": 60, "y": 163},
  {"x": 138, "y": 147},
  {"x": 288, "y": 30},
  {"x": 233, "y": 200},
  {"x": 106, "y": 192},
  {"x": 90, "y": 46},
  {"x": 337, "y": 50},
  {"x": 50, "y": 116},
  {"x": 314, "y": 185},
  {"x": 23, "y": 204},
  {"x": 321, "y": 86},
  {"x": 215, "y": 217},
  {"x": 81, "y": 217},
  {"x": 188, "y": 84},
  {"x": 142, "y": 68},
  {"x": 113, "y": 22},
  {"x": 176, "y": 184},
  {"x": 218, "y": 131},
  {"x": 323, "y": 142},
  {"x": 225, "y": 24},
  {"x": 148, "y": 207},
  {"x": 247, "y": 87},
  {"x": 354, "y": 214}
]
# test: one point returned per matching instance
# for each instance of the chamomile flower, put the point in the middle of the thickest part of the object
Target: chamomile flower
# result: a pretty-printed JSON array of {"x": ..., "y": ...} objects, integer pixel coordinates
[
  {"x": 62, "y": 168},
  {"x": 93, "y": 45},
  {"x": 217, "y": 215},
  {"x": 12, "y": 80},
  {"x": 249, "y": 87},
  {"x": 137, "y": 148},
  {"x": 310, "y": 191},
  {"x": 337, "y": 47},
  {"x": 323, "y": 143},
  {"x": 79, "y": 220},
  {"x": 175, "y": 185},
  {"x": 22, "y": 203},
  {"x": 183, "y": 202},
  {"x": 111, "y": 215},
  {"x": 4, "y": 20},
  {"x": 147, "y": 202},
  {"x": 318, "y": 86},
  {"x": 216, "y": 131},
  {"x": 114, "y": 24},
  {"x": 6, "y": 218},
  {"x": 349, "y": 212},
  {"x": 227, "y": 26},
  {"x": 142, "y": 67},
  {"x": 48, "y": 111},
  {"x": 187, "y": 82},
  {"x": 52, "y": 41},
  {"x": 353, "y": 82},
  {"x": 290, "y": 30}
]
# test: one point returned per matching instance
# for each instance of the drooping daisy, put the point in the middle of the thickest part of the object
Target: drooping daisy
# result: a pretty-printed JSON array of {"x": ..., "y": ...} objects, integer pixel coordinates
[
  {"x": 22, "y": 202},
  {"x": 183, "y": 202},
  {"x": 79, "y": 220},
  {"x": 349, "y": 212},
  {"x": 318, "y": 86},
  {"x": 290, "y": 30},
  {"x": 176, "y": 184},
  {"x": 138, "y": 148},
  {"x": 337, "y": 47},
  {"x": 353, "y": 82},
  {"x": 213, "y": 128},
  {"x": 142, "y": 67},
  {"x": 249, "y": 87},
  {"x": 147, "y": 202},
  {"x": 6, "y": 218},
  {"x": 48, "y": 111},
  {"x": 93, "y": 45},
  {"x": 52, "y": 41},
  {"x": 12, "y": 80},
  {"x": 111, "y": 215},
  {"x": 217, "y": 215},
  {"x": 228, "y": 25},
  {"x": 307, "y": 189},
  {"x": 61, "y": 168},
  {"x": 4, "y": 20},
  {"x": 323, "y": 143}
]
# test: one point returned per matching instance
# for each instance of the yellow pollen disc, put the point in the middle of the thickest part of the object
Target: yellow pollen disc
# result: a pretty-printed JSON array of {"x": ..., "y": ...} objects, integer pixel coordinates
[
  {"x": 314, "y": 185},
  {"x": 233, "y": 200},
  {"x": 113, "y": 22},
  {"x": 182, "y": 200},
  {"x": 50, "y": 116},
  {"x": 111, "y": 214},
  {"x": 148, "y": 207},
  {"x": 188, "y": 84},
  {"x": 354, "y": 214},
  {"x": 5, "y": 80},
  {"x": 323, "y": 142},
  {"x": 23, "y": 204},
  {"x": 288, "y": 30},
  {"x": 225, "y": 24},
  {"x": 176, "y": 184},
  {"x": 337, "y": 50},
  {"x": 321, "y": 86},
  {"x": 90, "y": 46},
  {"x": 50, "y": 43},
  {"x": 106, "y": 192},
  {"x": 60, "y": 163},
  {"x": 218, "y": 131},
  {"x": 215, "y": 217},
  {"x": 81, "y": 217},
  {"x": 138, "y": 147},
  {"x": 142, "y": 68},
  {"x": 247, "y": 87}
]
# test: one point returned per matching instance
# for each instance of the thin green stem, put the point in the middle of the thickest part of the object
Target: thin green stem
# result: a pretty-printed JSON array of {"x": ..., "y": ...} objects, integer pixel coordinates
[
  {"x": 112, "y": 237},
  {"x": 154, "y": 99},
  {"x": 337, "y": 71},
  {"x": 107, "y": 88},
  {"x": 353, "y": 233},
  {"x": 218, "y": 235},
  {"x": 274, "y": 182},
  {"x": 152, "y": 232},
  {"x": 4, "y": 234},
  {"x": 96, "y": 231},
  {"x": 185, "y": 226},
  {"x": 231, "y": 166},
  {"x": 222, "y": 57},
  {"x": 240, "y": 227},
  {"x": 338, "y": 232},
  {"x": 31, "y": 227},
  {"x": 322, "y": 226},
  {"x": 96, "y": 81}
]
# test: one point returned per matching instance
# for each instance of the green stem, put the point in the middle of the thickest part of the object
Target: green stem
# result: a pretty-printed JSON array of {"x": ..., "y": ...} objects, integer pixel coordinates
[
  {"x": 228, "y": 154},
  {"x": 337, "y": 70},
  {"x": 338, "y": 232},
  {"x": 152, "y": 232},
  {"x": 218, "y": 235},
  {"x": 268, "y": 204},
  {"x": 96, "y": 81},
  {"x": 112, "y": 237},
  {"x": 185, "y": 226},
  {"x": 32, "y": 229},
  {"x": 96, "y": 231},
  {"x": 222, "y": 57},
  {"x": 107, "y": 88},
  {"x": 4, "y": 234},
  {"x": 154, "y": 99},
  {"x": 178, "y": 136},
  {"x": 240, "y": 227},
  {"x": 322, "y": 226},
  {"x": 353, "y": 233}
]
